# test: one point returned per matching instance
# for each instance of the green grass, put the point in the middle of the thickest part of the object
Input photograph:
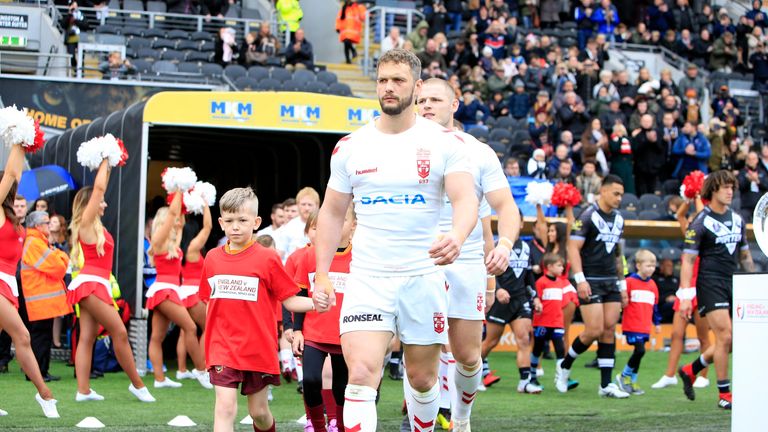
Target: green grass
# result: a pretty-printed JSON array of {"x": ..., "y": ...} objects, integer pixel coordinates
[{"x": 501, "y": 408}]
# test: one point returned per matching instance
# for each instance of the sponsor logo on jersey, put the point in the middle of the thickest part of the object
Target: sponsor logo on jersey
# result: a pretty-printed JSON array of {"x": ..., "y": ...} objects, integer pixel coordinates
[
  {"x": 398, "y": 199},
  {"x": 367, "y": 171},
  {"x": 423, "y": 164},
  {"x": 480, "y": 302},
  {"x": 724, "y": 235},
  {"x": 439, "y": 320},
  {"x": 519, "y": 259},
  {"x": 362, "y": 318},
  {"x": 610, "y": 234}
]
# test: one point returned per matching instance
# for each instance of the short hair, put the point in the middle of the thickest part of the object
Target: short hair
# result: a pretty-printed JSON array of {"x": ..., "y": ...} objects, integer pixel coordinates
[
  {"x": 234, "y": 200},
  {"x": 310, "y": 193},
  {"x": 19, "y": 197},
  {"x": 511, "y": 160},
  {"x": 402, "y": 56},
  {"x": 715, "y": 181},
  {"x": 290, "y": 202},
  {"x": 36, "y": 218},
  {"x": 612, "y": 179},
  {"x": 276, "y": 207},
  {"x": 445, "y": 84},
  {"x": 551, "y": 258},
  {"x": 644, "y": 255},
  {"x": 675, "y": 200},
  {"x": 311, "y": 221},
  {"x": 266, "y": 240}
]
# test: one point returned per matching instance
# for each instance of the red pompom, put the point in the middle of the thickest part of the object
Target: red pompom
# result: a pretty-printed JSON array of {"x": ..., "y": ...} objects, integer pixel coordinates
[
  {"x": 169, "y": 198},
  {"x": 39, "y": 141},
  {"x": 124, "y": 156},
  {"x": 565, "y": 194},
  {"x": 693, "y": 183}
]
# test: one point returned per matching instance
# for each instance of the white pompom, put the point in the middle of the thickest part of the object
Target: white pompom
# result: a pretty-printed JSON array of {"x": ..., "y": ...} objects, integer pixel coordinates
[
  {"x": 92, "y": 152},
  {"x": 193, "y": 202},
  {"x": 682, "y": 191},
  {"x": 539, "y": 192},
  {"x": 207, "y": 191},
  {"x": 16, "y": 127},
  {"x": 178, "y": 179},
  {"x": 111, "y": 150}
]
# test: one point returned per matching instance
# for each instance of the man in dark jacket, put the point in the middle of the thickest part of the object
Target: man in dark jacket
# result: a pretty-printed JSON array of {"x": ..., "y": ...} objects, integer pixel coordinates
[
  {"x": 572, "y": 116},
  {"x": 753, "y": 184},
  {"x": 299, "y": 54},
  {"x": 649, "y": 154}
]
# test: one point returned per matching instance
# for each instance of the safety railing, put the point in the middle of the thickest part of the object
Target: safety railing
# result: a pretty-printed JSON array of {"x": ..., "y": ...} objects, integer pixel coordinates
[
  {"x": 382, "y": 18},
  {"x": 37, "y": 63}
]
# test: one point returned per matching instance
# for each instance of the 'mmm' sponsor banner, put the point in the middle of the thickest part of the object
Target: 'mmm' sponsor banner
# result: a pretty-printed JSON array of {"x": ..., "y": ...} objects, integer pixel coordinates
[
  {"x": 750, "y": 348},
  {"x": 261, "y": 110}
]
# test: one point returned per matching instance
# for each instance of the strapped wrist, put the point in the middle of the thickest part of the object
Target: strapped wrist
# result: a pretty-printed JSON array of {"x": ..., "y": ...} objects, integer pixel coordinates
[
  {"x": 686, "y": 293},
  {"x": 579, "y": 277}
]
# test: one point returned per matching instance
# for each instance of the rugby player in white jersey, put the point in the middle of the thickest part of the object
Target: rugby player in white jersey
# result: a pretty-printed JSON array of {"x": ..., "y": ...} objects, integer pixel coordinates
[
  {"x": 397, "y": 169},
  {"x": 467, "y": 276}
]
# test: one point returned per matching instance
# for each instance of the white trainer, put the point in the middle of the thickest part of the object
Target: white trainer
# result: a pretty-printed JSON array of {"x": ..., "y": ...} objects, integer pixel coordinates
[
  {"x": 203, "y": 378},
  {"x": 167, "y": 383},
  {"x": 182, "y": 375},
  {"x": 539, "y": 372},
  {"x": 482, "y": 387},
  {"x": 528, "y": 387},
  {"x": 270, "y": 397},
  {"x": 701, "y": 382},
  {"x": 561, "y": 378},
  {"x": 92, "y": 396},
  {"x": 665, "y": 381},
  {"x": 48, "y": 406},
  {"x": 3, "y": 412},
  {"x": 612, "y": 391},
  {"x": 461, "y": 425},
  {"x": 141, "y": 394}
]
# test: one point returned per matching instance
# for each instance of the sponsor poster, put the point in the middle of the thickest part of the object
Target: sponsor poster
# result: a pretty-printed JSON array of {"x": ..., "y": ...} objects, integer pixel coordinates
[
  {"x": 14, "y": 21},
  {"x": 750, "y": 348}
]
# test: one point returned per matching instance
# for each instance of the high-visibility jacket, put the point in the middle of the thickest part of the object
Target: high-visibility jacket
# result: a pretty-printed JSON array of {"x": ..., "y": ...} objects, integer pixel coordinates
[
  {"x": 351, "y": 26},
  {"x": 42, "y": 278},
  {"x": 289, "y": 14}
]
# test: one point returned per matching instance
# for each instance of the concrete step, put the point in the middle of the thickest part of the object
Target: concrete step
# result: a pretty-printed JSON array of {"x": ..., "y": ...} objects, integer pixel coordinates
[{"x": 352, "y": 75}]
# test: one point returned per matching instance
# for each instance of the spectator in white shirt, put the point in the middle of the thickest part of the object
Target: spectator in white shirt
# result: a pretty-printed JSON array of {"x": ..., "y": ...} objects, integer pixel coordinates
[
  {"x": 290, "y": 236},
  {"x": 394, "y": 40},
  {"x": 278, "y": 219}
]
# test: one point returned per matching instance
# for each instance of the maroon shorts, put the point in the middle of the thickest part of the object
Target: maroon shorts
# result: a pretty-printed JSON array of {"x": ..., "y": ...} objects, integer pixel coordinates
[{"x": 252, "y": 382}]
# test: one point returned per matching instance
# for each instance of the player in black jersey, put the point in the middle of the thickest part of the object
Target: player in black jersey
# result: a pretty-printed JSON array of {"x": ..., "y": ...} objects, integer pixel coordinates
[
  {"x": 595, "y": 256},
  {"x": 514, "y": 294},
  {"x": 718, "y": 237}
]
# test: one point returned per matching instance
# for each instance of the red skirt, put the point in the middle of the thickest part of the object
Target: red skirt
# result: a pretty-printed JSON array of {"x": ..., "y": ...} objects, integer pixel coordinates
[
  {"x": 88, "y": 288},
  {"x": 6, "y": 292},
  {"x": 191, "y": 300},
  {"x": 163, "y": 295}
]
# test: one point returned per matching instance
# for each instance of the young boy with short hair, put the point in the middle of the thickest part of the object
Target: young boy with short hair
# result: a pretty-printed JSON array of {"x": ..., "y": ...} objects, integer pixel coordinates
[
  {"x": 548, "y": 322},
  {"x": 241, "y": 282},
  {"x": 641, "y": 310}
]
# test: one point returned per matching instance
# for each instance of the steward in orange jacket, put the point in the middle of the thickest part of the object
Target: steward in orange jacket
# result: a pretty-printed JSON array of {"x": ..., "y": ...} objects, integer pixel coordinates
[
  {"x": 349, "y": 26},
  {"x": 42, "y": 274}
]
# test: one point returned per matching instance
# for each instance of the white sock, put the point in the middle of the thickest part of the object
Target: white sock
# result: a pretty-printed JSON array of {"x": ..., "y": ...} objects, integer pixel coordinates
[
  {"x": 285, "y": 356},
  {"x": 422, "y": 406},
  {"x": 299, "y": 369},
  {"x": 360, "y": 408},
  {"x": 445, "y": 389},
  {"x": 293, "y": 361},
  {"x": 466, "y": 380}
]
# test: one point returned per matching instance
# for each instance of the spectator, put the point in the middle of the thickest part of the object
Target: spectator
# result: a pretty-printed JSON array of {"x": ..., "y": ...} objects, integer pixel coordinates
[
  {"x": 670, "y": 38},
  {"x": 717, "y": 143},
  {"x": 438, "y": 19},
  {"x": 519, "y": 102},
  {"x": 583, "y": 17},
  {"x": 74, "y": 23},
  {"x": 753, "y": 184},
  {"x": 59, "y": 239},
  {"x": 660, "y": 18},
  {"x": 459, "y": 54},
  {"x": 291, "y": 236},
  {"x": 607, "y": 83},
  {"x": 649, "y": 156},
  {"x": 277, "y": 219},
  {"x": 498, "y": 82},
  {"x": 665, "y": 81},
  {"x": 691, "y": 107},
  {"x": 289, "y": 15},
  {"x": 393, "y": 40},
  {"x": 721, "y": 100},
  {"x": 723, "y": 24},
  {"x": 499, "y": 9},
  {"x": 702, "y": 48},
  {"x": 498, "y": 105},
  {"x": 764, "y": 157},
  {"x": 613, "y": 115},
  {"x": 225, "y": 51},
  {"x": 605, "y": 17},
  {"x": 756, "y": 14},
  {"x": 418, "y": 36},
  {"x": 622, "y": 163},
  {"x": 184, "y": 7},
  {"x": 496, "y": 39},
  {"x": 511, "y": 167},
  {"x": 472, "y": 112},
  {"x": 594, "y": 143},
  {"x": 267, "y": 46},
  {"x": 684, "y": 17},
  {"x": 586, "y": 80},
  {"x": 455, "y": 10},
  {"x": 668, "y": 283},
  {"x": 214, "y": 8},
  {"x": 642, "y": 109},
  {"x": 349, "y": 26},
  {"x": 572, "y": 115},
  {"x": 734, "y": 156},
  {"x": 641, "y": 35},
  {"x": 691, "y": 80},
  {"x": 431, "y": 54},
  {"x": 479, "y": 22},
  {"x": 561, "y": 154},
  {"x": 724, "y": 53},
  {"x": 595, "y": 52},
  {"x": 299, "y": 55},
  {"x": 542, "y": 132},
  {"x": 116, "y": 67},
  {"x": 249, "y": 51},
  {"x": 684, "y": 46},
  {"x": 588, "y": 182},
  {"x": 564, "y": 173},
  {"x": 693, "y": 150},
  {"x": 42, "y": 283},
  {"x": 549, "y": 13},
  {"x": 537, "y": 165}
]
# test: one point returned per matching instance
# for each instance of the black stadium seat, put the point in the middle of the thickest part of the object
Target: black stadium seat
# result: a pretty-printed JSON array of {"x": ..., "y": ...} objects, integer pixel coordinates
[
  {"x": 178, "y": 34},
  {"x": 258, "y": 72},
  {"x": 132, "y": 32},
  {"x": 630, "y": 202},
  {"x": 649, "y": 215},
  {"x": 500, "y": 134},
  {"x": 479, "y": 133},
  {"x": 293, "y": 85},
  {"x": 280, "y": 74},
  {"x": 234, "y": 72},
  {"x": 327, "y": 77},
  {"x": 303, "y": 75},
  {"x": 245, "y": 83},
  {"x": 164, "y": 44},
  {"x": 142, "y": 66},
  {"x": 173, "y": 55},
  {"x": 107, "y": 29},
  {"x": 200, "y": 56},
  {"x": 186, "y": 44},
  {"x": 339, "y": 89},
  {"x": 154, "y": 33},
  {"x": 316, "y": 87},
  {"x": 212, "y": 69},
  {"x": 269, "y": 84},
  {"x": 650, "y": 202},
  {"x": 148, "y": 53},
  {"x": 201, "y": 36},
  {"x": 189, "y": 67},
  {"x": 164, "y": 66}
]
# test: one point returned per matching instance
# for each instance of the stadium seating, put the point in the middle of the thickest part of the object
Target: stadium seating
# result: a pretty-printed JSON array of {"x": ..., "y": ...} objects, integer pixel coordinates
[
  {"x": 630, "y": 202},
  {"x": 234, "y": 72},
  {"x": 650, "y": 202},
  {"x": 258, "y": 72},
  {"x": 339, "y": 89},
  {"x": 280, "y": 74}
]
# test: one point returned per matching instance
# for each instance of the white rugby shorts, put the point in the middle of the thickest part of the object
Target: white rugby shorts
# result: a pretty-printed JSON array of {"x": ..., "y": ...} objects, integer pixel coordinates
[
  {"x": 466, "y": 290},
  {"x": 413, "y": 307}
]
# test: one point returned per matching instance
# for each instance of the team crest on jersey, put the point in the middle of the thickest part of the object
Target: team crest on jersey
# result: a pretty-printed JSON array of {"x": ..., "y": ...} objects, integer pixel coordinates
[
  {"x": 439, "y": 320},
  {"x": 724, "y": 235},
  {"x": 423, "y": 163},
  {"x": 608, "y": 234},
  {"x": 480, "y": 302},
  {"x": 518, "y": 261}
]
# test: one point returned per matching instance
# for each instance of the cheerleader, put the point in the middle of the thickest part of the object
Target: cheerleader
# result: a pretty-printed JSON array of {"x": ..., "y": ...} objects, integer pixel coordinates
[{"x": 91, "y": 289}]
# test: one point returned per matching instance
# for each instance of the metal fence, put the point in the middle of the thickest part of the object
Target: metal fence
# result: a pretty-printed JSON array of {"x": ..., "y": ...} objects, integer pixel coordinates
[{"x": 382, "y": 18}]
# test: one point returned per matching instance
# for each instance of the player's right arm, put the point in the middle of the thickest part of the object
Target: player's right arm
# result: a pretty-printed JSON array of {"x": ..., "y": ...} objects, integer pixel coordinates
[
  {"x": 686, "y": 292},
  {"x": 573, "y": 248}
]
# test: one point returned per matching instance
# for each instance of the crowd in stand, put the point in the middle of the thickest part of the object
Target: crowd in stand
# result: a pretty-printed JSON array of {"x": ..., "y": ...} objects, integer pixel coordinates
[{"x": 650, "y": 130}]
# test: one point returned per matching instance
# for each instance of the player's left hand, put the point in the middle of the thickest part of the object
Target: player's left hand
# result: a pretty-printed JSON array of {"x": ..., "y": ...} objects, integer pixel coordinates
[
  {"x": 624, "y": 299},
  {"x": 323, "y": 295},
  {"x": 537, "y": 306},
  {"x": 497, "y": 261},
  {"x": 445, "y": 249},
  {"x": 288, "y": 333},
  {"x": 298, "y": 343}
]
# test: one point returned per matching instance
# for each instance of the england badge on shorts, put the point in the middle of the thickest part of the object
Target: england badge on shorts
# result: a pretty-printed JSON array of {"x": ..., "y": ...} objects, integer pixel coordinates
[
  {"x": 439, "y": 320},
  {"x": 423, "y": 164}
]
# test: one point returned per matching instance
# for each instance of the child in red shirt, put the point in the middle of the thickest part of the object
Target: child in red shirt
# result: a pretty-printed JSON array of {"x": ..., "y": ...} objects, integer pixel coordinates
[
  {"x": 241, "y": 282},
  {"x": 638, "y": 314},
  {"x": 316, "y": 336},
  {"x": 548, "y": 321}
]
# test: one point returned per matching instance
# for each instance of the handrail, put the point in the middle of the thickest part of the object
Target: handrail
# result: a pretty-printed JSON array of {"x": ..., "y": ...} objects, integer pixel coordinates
[
  {"x": 36, "y": 56},
  {"x": 674, "y": 57},
  {"x": 381, "y": 13}
]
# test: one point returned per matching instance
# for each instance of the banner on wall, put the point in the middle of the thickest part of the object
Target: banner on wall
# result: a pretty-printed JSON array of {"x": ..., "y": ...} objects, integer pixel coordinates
[{"x": 61, "y": 104}]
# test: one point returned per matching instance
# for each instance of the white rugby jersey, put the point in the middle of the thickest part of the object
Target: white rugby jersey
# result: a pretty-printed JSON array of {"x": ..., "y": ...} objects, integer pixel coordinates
[
  {"x": 397, "y": 182},
  {"x": 489, "y": 177}
]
